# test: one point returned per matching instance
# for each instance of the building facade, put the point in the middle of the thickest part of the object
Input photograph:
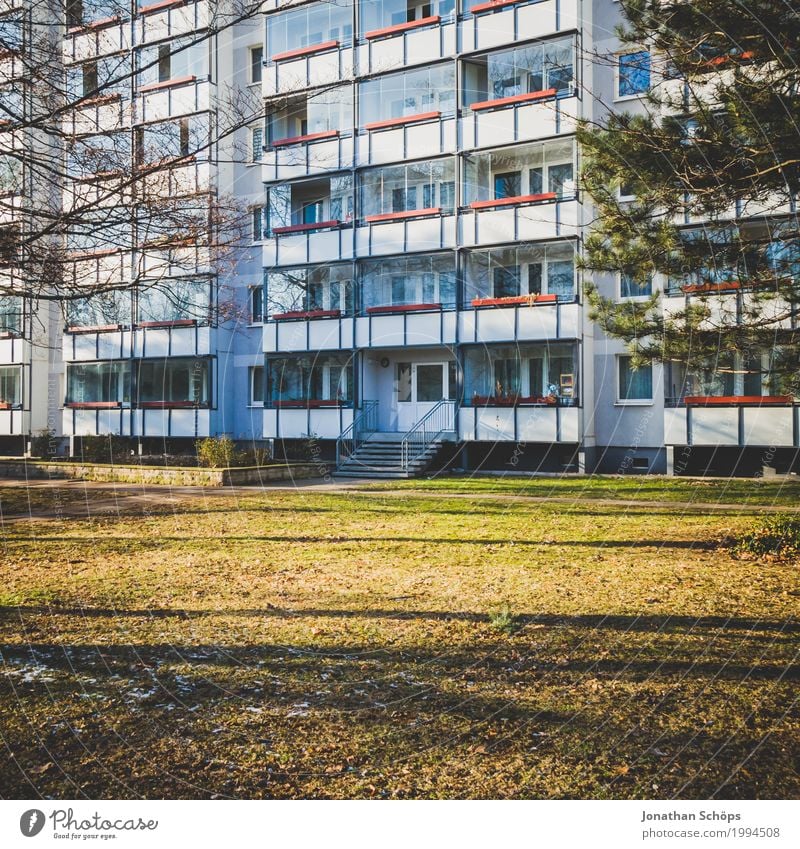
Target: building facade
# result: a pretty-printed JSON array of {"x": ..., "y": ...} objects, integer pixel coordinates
[{"x": 409, "y": 173}]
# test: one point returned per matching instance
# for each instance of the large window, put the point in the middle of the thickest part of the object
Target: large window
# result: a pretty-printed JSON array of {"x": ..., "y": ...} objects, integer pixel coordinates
[
  {"x": 380, "y": 14},
  {"x": 11, "y": 314},
  {"x": 100, "y": 77},
  {"x": 315, "y": 23},
  {"x": 327, "y": 110},
  {"x": 633, "y": 73},
  {"x": 728, "y": 375},
  {"x": 167, "y": 140},
  {"x": 410, "y": 93},
  {"x": 12, "y": 107},
  {"x": 101, "y": 310},
  {"x": 81, "y": 12},
  {"x": 183, "y": 381},
  {"x": 520, "y": 374},
  {"x": 322, "y": 287},
  {"x": 631, "y": 288},
  {"x": 101, "y": 229},
  {"x": 634, "y": 383},
  {"x": 402, "y": 281},
  {"x": 310, "y": 380},
  {"x": 11, "y": 173},
  {"x": 522, "y": 70},
  {"x": 10, "y": 386},
  {"x": 525, "y": 270},
  {"x": 92, "y": 156},
  {"x": 172, "y": 61},
  {"x": 311, "y": 202},
  {"x": 524, "y": 170},
  {"x": 175, "y": 300},
  {"x": 11, "y": 32},
  {"x": 256, "y": 388},
  {"x": 408, "y": 188},
  {"x": 89, "y": 383}
]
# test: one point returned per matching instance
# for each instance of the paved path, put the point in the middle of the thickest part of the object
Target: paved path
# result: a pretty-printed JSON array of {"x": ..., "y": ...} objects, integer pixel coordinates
[{"x": 86, "y": 499}]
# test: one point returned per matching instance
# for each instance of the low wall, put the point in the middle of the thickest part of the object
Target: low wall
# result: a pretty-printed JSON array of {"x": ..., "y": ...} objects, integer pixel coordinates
[{"x": 165, "y": 475}]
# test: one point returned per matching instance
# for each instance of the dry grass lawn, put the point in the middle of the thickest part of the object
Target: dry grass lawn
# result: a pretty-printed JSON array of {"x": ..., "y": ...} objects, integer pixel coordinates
[{"x": 312, "y": 644}]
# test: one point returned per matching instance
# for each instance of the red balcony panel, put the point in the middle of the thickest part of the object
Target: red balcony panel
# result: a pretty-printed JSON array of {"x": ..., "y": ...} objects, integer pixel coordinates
[
  {"x": 165, "y": 405},
  {"x": 167, "y": 83},
  {"x": 517, "y": 98},
  {"x": 103, "y": 22},
  {"x": 282, "y": 316},
  {"x": 98, "y": 328},
  {"x": 393, "y": 30},
  {"x": 177, "y": 322},
  {"x": 740, "y": 400},
  {"x": 304, "y": 228},
  {"x": 513, "y": 300},
  {"x": 305, "y": 51},
  {"x": 512, "y": 400},
  {"x": 93, "y": 405},
  {"x": 400, "y": 216},
  {"x": 401, "y": 308},
  {"x": 520, "y": 199},
  {"x": 164, "y": 4},
  {"x": 330, "y": 134},
  {"x": 494, "y": 4},
  {"x": 307, "y": 405},
  {"x": 400, "y": 122},
  {"x": 727, "y": 286}
]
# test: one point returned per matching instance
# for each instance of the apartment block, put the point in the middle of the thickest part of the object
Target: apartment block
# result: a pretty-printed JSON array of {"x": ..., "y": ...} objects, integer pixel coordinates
[{"x": 408, "y": 296}]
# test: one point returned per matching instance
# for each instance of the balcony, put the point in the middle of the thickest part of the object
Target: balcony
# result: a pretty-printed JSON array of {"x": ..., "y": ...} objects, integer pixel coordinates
[
  {"x": 102, "y": 37},
  {"x": 310, "y": 135},
  {"x": 188, "y": 423},
  {"x": 14, "y": 421},
  {"x": 398, "y": 33},
  {"x": 324, "y": 63},
  {"x": 489, "y": 24},
  {"x": 535, "y": 424},
  {"x": 164, "y": 19},
  {"x": 175, "y": 97},
  {"x": 733, "y": 421},
  {"x": 410, "y": 115}
]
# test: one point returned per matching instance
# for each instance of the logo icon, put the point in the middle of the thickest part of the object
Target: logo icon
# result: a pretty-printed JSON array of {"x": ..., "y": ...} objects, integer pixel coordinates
[{"x": 31, "y": 822}]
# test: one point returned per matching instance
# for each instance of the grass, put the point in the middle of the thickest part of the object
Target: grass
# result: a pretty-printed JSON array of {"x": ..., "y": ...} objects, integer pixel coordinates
[
  {"x": 312, "y": 644},
  {"x": 756, "y": 491}
]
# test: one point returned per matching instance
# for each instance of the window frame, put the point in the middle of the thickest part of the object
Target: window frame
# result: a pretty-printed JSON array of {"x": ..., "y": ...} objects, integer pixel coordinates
[
  {"x": 619, "y": 401},
  {"x": 618, "y": 76}
]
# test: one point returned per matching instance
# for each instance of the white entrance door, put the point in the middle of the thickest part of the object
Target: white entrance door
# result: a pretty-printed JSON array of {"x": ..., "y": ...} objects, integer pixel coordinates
[{"x": 420, "y": 386}]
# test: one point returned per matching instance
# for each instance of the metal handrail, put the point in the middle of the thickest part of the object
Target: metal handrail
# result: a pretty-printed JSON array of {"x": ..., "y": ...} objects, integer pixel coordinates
[
  {"x": 363, "y": 426},
  {"x": 436, "y": 421}
]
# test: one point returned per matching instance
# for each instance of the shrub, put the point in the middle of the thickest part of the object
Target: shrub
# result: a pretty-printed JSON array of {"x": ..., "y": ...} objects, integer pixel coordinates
[
  {"x": 104, "y": 449},
  {"x": 503, "y": 619},
  {"x": 43, "y": 444},
  {"x": 777, "y": 537},
  {"x": 218, "y": 452}
]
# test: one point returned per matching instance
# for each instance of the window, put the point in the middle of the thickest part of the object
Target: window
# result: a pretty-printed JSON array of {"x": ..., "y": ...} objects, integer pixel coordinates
[
  {"x": 11, "y": 312},
  {"x": 257, "y": 144},
  {"x": 312, "y": 24},
  {"x": 635, "y": 384},
  {"x": 547, "y": 269},
  {"x": 317, "y": 380},
  {"x": 257, "y": 385},
  {"x": 402, "y": 188},
  {"x": 410, "y": 93},
  {"x": 176, "y": 300},
  {"x": 89, "y": 383},
  {"x": 105, "y": 309},
  {"x": 256, "y": 63},
  {"x": 325, "y": 287},
  {"x": 633, "y": 73},
  {"x": 559, "y": 180},
  {"x": 182, "y": 380},
  {"x": 408, "y": 281},
  {"x": 377, "y": 14},
  {"x": 10, "y": 386},
  {"x": 180, "y": 58},
  {"x": 629, "y": 288},
  {"x": 258, "y": 223},
  {"x": 520, "y": 374},
  {"x": 256, "y": 304},
  {"x": 507, "y": 185}
]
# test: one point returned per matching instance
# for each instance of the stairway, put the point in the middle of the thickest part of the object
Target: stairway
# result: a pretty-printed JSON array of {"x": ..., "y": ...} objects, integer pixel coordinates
[{"x": 380, "y": 457}]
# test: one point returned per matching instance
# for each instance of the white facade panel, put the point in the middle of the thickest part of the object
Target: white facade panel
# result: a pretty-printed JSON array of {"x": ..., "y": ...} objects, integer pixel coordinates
[
  {"x": 675, "y": 426},
  {"x": 13, "y": 422},
  {"x": 494, "y": 424},
  {"x": 495, "y": 325},
  {"x": 325, "y": 333},
  {"x": 541, "y": 322},
  {"x": 291, "y": 335},
  {"x": 387, "y": 331},
  {"x": 424, "y": 329},
  {"x": 768, "y": 426},
  {"x": 537, "y": 424},
  {"x": 715, "y": 426},
  {"x": 326, "y": 423},
  {"x": 569, "y": 419}
]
